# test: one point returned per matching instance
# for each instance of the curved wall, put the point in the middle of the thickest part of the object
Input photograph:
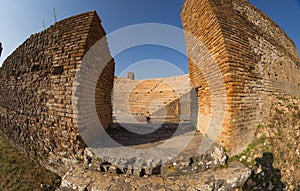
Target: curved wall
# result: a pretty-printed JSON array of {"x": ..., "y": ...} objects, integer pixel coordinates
[
  {"x": 38, "y": 110},
  {"x": 255, "y": 57},
  {"x": 162, "y": 99}
]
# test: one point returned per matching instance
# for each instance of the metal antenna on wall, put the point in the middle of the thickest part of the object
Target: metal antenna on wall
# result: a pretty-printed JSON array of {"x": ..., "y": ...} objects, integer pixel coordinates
[
  {"x": 1, "y": 48},
  {"x": 54, "y": 15}
]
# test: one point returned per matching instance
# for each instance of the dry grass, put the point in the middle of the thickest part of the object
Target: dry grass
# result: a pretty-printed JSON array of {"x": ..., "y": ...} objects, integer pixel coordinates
[{"x": 18, "y": 172}]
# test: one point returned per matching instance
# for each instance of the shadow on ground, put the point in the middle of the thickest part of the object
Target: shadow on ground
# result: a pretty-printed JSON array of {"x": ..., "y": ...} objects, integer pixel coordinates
[
  {"x": 264, "y": 176},
  {"x": 139, "y": 134}
]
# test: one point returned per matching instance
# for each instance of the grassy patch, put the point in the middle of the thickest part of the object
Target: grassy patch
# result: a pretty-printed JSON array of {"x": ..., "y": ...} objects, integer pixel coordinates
[
  {"x": 257, "y": 144},
  {"x": 18, "y": 172}
]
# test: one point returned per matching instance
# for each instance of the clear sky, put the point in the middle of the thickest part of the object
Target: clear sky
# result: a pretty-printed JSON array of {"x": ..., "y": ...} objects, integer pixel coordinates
[{"x": 19, "y": 19}]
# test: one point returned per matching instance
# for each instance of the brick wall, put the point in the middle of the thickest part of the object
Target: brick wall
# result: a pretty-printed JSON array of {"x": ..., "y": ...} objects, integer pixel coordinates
[
  {"x": 162, "y": 98},
  {"x": 254, "y": 57},
  {"x": 38, "y": 107},
  {"x": 57, "y": 79}
]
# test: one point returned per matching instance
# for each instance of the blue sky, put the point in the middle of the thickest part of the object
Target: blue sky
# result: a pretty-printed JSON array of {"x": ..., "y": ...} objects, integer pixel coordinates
[{"x": 19, "y": 19}]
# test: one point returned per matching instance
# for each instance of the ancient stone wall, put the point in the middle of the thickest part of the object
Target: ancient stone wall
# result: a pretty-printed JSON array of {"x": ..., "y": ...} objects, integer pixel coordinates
[
  {"x": 38, "y": 107},
  {"x": 254, "y": 58},
  {"x": 168, "y": 99},
  {"x": 238, "y": 57}
]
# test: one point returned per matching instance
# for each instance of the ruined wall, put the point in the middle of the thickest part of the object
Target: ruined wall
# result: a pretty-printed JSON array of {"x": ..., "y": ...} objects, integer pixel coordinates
[
  {"x": 254, "y": 57},
  {"x": 162, "y": 98},
  {"x": 238, "y": 57},
  {"x": 38, "y": 111}
]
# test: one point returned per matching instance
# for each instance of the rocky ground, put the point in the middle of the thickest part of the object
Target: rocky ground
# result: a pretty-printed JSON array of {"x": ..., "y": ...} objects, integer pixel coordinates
[
  {"x": 274, "y": 155},
  {"x": 189, "y": 170},
  {"x": 230, "y": 178},
  {"x": 271, "y": 162}
]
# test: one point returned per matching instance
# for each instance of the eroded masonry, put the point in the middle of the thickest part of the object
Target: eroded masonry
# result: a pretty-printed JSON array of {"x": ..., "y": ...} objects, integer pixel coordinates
[
  {"x": 255, "y": 57},
  {"x": 38, "y": 108},
  {"x": 238, "y": 58}
]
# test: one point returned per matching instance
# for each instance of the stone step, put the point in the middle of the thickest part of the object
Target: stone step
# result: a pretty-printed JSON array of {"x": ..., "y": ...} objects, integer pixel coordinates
[
  {"x": 230, "y": 178},
  {"x": 159, "y": 151}
]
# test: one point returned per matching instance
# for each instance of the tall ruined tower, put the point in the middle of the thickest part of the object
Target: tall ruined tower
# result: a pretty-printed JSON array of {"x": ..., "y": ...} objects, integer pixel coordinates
[{"x": 238, "y": 58}]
